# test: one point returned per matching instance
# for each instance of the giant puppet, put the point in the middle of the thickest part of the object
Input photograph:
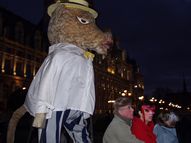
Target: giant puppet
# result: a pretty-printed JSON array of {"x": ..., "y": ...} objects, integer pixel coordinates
[{"x": 62, "y": 92}]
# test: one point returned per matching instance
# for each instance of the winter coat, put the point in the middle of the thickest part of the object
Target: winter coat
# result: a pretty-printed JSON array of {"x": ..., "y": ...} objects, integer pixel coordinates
[
  {"x": 65, "y": 80},
  {"x": 119, "y": 131},
  {"x": 143, "y": 131},
  {"x": 165, "y": 134}
]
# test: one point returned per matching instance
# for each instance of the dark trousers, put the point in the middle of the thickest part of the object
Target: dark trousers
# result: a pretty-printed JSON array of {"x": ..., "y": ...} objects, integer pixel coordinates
[{"x": 74, "y": 123}]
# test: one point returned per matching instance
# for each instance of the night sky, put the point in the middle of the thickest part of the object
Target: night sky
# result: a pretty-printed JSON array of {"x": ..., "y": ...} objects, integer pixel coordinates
[{"x": 156, "y": 33}]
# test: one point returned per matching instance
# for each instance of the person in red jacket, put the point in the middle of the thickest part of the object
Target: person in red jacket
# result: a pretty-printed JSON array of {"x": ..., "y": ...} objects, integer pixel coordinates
[{"x": 142, "y": 125}]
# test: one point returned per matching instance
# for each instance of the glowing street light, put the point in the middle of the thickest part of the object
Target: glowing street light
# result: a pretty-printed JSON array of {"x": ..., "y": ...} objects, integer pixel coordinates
[
  {"x": 111, "y": 101},
  {"x": 24, "y": 88},
  {"x": 141, "y": 98},
  {"x": 123, "y": 94},
  {"x": 129, "y": 94}
]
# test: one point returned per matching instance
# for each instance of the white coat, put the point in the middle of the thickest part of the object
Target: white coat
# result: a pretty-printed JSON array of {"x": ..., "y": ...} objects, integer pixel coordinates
[{"x": 65, "y": 80}]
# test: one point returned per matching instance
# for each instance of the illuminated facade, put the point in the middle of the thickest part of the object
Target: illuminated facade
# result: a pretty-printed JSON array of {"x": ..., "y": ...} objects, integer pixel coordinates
[
  {"x": 116, "y": 76},
  {"x": 23, "y": 47}
]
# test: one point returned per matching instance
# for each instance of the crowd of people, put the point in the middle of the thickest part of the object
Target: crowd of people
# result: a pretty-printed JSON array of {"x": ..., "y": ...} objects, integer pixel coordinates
[
  {"x": 134, "y": 124},
  {"x": 138, "y": 122}
]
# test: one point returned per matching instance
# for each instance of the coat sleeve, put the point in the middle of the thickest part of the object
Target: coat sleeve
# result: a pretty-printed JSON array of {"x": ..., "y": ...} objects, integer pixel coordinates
[
  {"x": 43, "y": 90},
  {"x": 45, "y": 86},
  {"x": 40, "y": 95}
]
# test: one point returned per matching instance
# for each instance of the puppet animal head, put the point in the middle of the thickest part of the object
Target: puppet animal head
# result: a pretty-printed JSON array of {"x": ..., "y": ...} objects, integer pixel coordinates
[{"x": 75, "y": 24}]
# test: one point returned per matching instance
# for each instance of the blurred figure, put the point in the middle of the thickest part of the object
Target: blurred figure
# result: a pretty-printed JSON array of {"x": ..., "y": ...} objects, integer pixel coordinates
[
  {"x": 142, "y": 125},
  {"x": 165, "y": 128},
  {"x": 183, "y": 127},
  {"x": 118, "y": 130}
]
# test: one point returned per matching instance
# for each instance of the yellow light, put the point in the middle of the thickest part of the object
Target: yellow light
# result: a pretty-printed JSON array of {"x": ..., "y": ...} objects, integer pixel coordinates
[
  {"x": 24, "y": 88},
  {"x": 179, "y": 107},
  {"x": 109, "y": 69},
  {"x": 129, "y": 94},
  {"x": 113, "y": 72},
  {"x": 151, "y": 100},
  {"x": 123, "y": 94},
  {"x": 111, "y": 101},
  {"x": 141, "y": 97}
]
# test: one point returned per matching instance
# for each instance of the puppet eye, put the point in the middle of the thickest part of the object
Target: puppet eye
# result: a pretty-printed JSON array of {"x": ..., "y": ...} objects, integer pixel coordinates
[{"x": 83, "y": 20}]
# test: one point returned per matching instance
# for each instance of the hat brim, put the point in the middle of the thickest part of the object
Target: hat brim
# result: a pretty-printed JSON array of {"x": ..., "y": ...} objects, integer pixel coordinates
[{"x": 52, "y": 7}]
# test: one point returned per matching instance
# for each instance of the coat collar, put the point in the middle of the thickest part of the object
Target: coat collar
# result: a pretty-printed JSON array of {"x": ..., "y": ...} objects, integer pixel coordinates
[
  {"x": 121, "y": 119},
  {"x": 71, "y": 48},
  {"x": 66, "y": 47}
]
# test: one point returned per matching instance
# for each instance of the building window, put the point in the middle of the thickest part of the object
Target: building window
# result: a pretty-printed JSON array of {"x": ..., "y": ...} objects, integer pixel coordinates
[
  {"x": 128, "y": 75},
  {"x": 6, "y": 32},
  {"x": 1, "y": 25},
  {"x": 8, "y": 50},
  {"x": 122, "y": 75},
  {"x": 38, "y": 40},
  {"x": 8, "y": 66},
  {"x": 19, "y": 69},
  {"x": 29, "y": 56},
  {"x": 19, "y": 32},
  {"x": 28, "y": 40},
  {"x": 29, "y": 70}
]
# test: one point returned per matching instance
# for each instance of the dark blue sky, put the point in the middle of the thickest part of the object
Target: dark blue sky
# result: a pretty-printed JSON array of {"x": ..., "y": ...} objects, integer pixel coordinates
[
  {"x": 28, "y": 9},
  {"x": 156, "y": 33}
]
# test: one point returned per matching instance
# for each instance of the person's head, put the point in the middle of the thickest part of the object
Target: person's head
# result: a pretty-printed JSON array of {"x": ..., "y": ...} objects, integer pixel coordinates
[
  {"x": 167, "y": 118},
  {"x": 145, "y": 111},
  {"x": 123, "y": 107}
]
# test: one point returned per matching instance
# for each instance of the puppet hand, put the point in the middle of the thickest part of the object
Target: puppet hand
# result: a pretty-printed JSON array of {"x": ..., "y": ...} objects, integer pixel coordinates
[{"x": 39, "y": 120}]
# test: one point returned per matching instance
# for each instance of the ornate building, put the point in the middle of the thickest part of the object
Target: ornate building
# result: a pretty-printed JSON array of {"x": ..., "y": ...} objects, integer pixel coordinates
[{"x": 23, "y": 47}]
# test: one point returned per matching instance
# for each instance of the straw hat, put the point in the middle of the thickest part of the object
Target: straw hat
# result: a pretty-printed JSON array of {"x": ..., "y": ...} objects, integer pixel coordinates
[{"x": 80, "y": 4}]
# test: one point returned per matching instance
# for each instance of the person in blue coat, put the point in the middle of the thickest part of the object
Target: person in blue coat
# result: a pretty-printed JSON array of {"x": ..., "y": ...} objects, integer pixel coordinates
[{"x": 165, "y": 130}]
